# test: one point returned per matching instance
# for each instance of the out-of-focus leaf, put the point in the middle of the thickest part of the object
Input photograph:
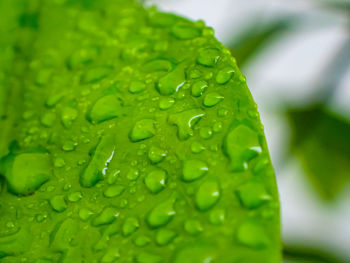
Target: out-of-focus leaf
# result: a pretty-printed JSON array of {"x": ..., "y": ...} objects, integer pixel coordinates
[
  {"x": 301, "y": 254},
  {"x": 343, "y": 5},
  {"x": 254, "y": 37},
  {"x": 322, "y": 141}
]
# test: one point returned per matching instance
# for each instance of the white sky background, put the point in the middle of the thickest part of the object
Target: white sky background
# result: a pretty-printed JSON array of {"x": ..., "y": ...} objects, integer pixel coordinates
[{"x": 285, "y": 72}]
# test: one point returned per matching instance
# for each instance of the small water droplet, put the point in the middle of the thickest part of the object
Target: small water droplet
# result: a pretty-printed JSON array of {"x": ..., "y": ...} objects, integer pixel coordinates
[
  {"x": 207, "y": 195},
  {"x": 145, "y": 257},
  {"x": 53, "y": 99},
  {"x": 217, "y": 216},
  {"x": 68, "y": 116},
  {"x": 224, "y": 75},
  {"x": 75, "y": 197},
  {"x": 143, "y": 129},
  {"x": 141, "y": 241},
  {"x": 69, "y": 146},
  {"x": 110, "y": 256},
  {"x": 197, "y": 147},
  {"x": 158, "y": 65},
  {"x": 48, "y": 119},
  {"x": 193, "y": 170},
  {"x": 96, "y": 74},
  {"x": 156, "y": 180},
  {"x": 206, "y": 132},
  {"x": 170, "y": 83},
  {"x": 166, "y": 103},
  {"x": 133, "y": 174},
  {"x": 85, "y": 214},
  {"x": 212, "y": 98}
]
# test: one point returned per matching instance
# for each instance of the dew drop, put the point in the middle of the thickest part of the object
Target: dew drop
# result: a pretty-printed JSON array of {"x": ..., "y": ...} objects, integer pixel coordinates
[
  {"x": 105, "y": 108},
  {"x": 137, "y": 87},
  {"x": 198, "y": 88},
  {"x": 166, "y": 103},
  {"x": 252, "y": 194},
  {"x": 193, "y": 170},
  {"x": 217, "y": 216},
  {"x": 185, "y": 32},
  {"x": 207, "y": 195},
  {"x": 161, "y": 214},
  {"x": 170, "y": 83},
  {"x": 131, "y": 224},
  {"x": 212, "y": 98},
  {"x": 114, "y": 190},
  {"x": 58, "y": 203},
  {"x": 68, "y": 116},
  {"x": 75, "y": 197},
  {"x": 165, "y": 236},
  {"x": 48, "y": 119},
  {"x": 252, "y": 234},
  {"x": 156, "y": 154},
  {"x": 197, "y": 147},
  {"x": 107, "y": 216},
  {"x": 96, "y": 74},
  {"x": 145, "y": 257},
  {"x": 185, "y": 121},
  {"x": 224, "y": 75},
  {"x": 193, "y": 226},
  {"x": 142, "y": 130},
  {"x": 155, "y": 181},
  {"x": 208, "y": 57}
]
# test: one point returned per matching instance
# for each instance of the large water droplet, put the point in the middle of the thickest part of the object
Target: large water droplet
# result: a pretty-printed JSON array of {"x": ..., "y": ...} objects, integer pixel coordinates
[
  {"x": 207, "y": 195},
  {"x": 208, "y": 57},
  {"x": 95, "y": 74},
  {"x": 161, "y": 214},
  {"x": 98, "y": 164},
  {"x": 107, "y": 216},
  {"x": 164, "y": 236},
  {"x": 252, "y": 194},
  {"x": 143, "y": 129},
  {"x": 58, "y": 203},
  {"x": 193, "y": 170},
  {"x": 26, "y": 172},
  {"x": 171, "y": 82},
  {"x": 252, "y": 234},
  {"x": 185, "y": 121},
  {"x": 224, "y": 75},
  {"x": 105, "y": 108},
  {"x": 212, "y": 98},
  {"x": 241, "y": 145},
  {"x": 114, "y": 190},
  {"x": 198, "y": 88},
  {"x": 156, "y": 180},
  {"x": 131, "y": 224},
  {"x": 185, "y": 32}
]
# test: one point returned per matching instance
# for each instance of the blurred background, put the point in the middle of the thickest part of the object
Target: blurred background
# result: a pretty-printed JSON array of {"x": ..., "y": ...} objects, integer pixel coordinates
[{"x": 296, "y": 57}]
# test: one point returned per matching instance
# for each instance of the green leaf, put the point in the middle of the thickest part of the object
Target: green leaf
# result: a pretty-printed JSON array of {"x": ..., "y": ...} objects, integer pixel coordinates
[
  {"x": 257, "y": 35},
  {"x": 321, "y": 140},
  {"x": 164, "y": 170}
]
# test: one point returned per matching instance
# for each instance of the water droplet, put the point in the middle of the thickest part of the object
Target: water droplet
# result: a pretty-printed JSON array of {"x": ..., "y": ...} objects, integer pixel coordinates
[
  {"x": 198, "y": 88},
  {"x": 99, "y": 162},
  {"x": 114, "y": 190},
  {"x": 107, "y": 216},
  {"x": 85, "y": 214},
  {"x": 196, "y": 253},
  {"x": 195, "y": 74},
  {"x": 197, "y": 147},
  {"x": 58, "y": 203},
  {"x": 137, "y": 87},
  {"x": 142, "y": 130},
  {"x": 105, "y": 108},
  {"x": 241, "y": 145},
  {"x": 131, "y": 224},
  {"x": 158, "y": 65},
  {"x": 145, "y": 257},
  {"x": 206, "y": 132},
  {"x": 185, "y": 121},
  {"x": 170, "y": 83},
  {"x": 48, "y": 119},
  {"x": 217, "y": 127},
  {"x": 185, "y": 32},
  {"x": 69, "y": 146},
  {"x": 113, "y": 176},
  {"x": 193, "y": 226},
  {"x": 252, "y": 234},
  {"x": 165, "y": 236},
  {"x": 193, "y": 170},
  {"x": 69, "y": 114},
  {"x": 26, "y": 172},
  {"x": 53, "y": 99},
  {"x": 75, "y": 197},
  {"x": 82, "y": 57},
  {"x": 161, "y": 214},
  {"x": 252, "y": 194},
  {"x": 110, "y": 256},
  {"x": 224, "y": 75},
  {"x": 212, "y": 98},
  {"x": 155, "y": 180},
  {"x": 43, "y": 77},
  {"x": 40, "y": 218},
  {"x": 95, "y": 74},
  {"x": 142, "y": 241},
  {"x": 208, "y": 57},
  {"x": 166, "y": 103},
  {"x": 133, "y": 174},
  {"x": 217, "y": 216},
  {"x": 207, "y": 195},
  {"x": 156, "y": 154}
]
